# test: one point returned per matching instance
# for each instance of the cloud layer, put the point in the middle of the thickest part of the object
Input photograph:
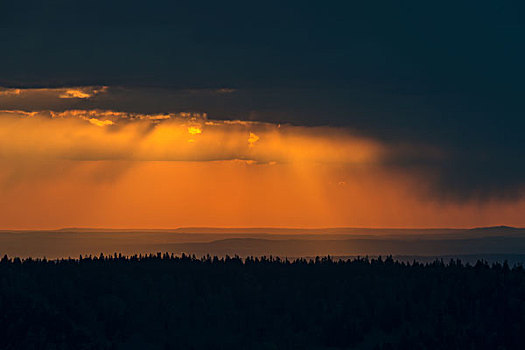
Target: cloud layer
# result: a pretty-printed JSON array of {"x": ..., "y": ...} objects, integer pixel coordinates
[
  {"x": 108, "y": 135},
  {"x": 445, "y": 74}
]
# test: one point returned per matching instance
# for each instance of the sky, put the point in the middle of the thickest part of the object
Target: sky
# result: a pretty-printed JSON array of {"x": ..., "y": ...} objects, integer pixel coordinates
[{"x": 239, "y": 114}]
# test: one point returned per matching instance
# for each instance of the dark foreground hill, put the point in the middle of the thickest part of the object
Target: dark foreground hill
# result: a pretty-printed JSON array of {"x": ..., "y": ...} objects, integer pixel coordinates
[{"x": 165, "y": 302}]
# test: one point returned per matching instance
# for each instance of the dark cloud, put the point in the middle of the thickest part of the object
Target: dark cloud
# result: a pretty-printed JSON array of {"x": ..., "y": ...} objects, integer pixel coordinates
[{"x": 447, "y": 74}]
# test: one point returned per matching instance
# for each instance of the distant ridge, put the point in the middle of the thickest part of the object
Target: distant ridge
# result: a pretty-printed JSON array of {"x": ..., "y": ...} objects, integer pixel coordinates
[
  {"x": 501, "y": 227},
  {"x": 245, "y": 229},
  {"x": 409, "y": 231},
  {"x": 74, "y": 241}
]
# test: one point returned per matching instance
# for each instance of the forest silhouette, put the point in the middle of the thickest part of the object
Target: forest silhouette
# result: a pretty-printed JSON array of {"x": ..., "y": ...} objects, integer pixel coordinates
[{"x": 162, "y": 301}]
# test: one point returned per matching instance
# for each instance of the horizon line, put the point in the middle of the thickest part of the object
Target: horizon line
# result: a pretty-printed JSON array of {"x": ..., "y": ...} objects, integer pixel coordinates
[{"x": 79, "y": 228}]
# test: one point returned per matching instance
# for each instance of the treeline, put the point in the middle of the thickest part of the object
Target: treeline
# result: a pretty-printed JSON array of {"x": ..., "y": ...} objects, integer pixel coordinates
[{"x": 167, "y": 302}]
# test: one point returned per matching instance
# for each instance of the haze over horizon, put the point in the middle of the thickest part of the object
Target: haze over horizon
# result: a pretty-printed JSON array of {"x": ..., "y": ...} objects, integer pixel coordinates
[{"x": 277, "y": 228}]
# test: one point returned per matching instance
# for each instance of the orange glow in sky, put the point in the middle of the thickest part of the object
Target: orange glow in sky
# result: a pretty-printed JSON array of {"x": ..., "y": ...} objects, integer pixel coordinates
[{"x": 105, "y": 169}]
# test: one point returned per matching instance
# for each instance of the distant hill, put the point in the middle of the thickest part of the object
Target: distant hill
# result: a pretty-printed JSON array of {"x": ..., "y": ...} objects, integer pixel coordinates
[{"x": 291, "y": 242}]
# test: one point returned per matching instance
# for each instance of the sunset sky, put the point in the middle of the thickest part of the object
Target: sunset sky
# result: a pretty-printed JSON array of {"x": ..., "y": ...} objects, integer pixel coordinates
[{"x": 145, "y": 115}]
